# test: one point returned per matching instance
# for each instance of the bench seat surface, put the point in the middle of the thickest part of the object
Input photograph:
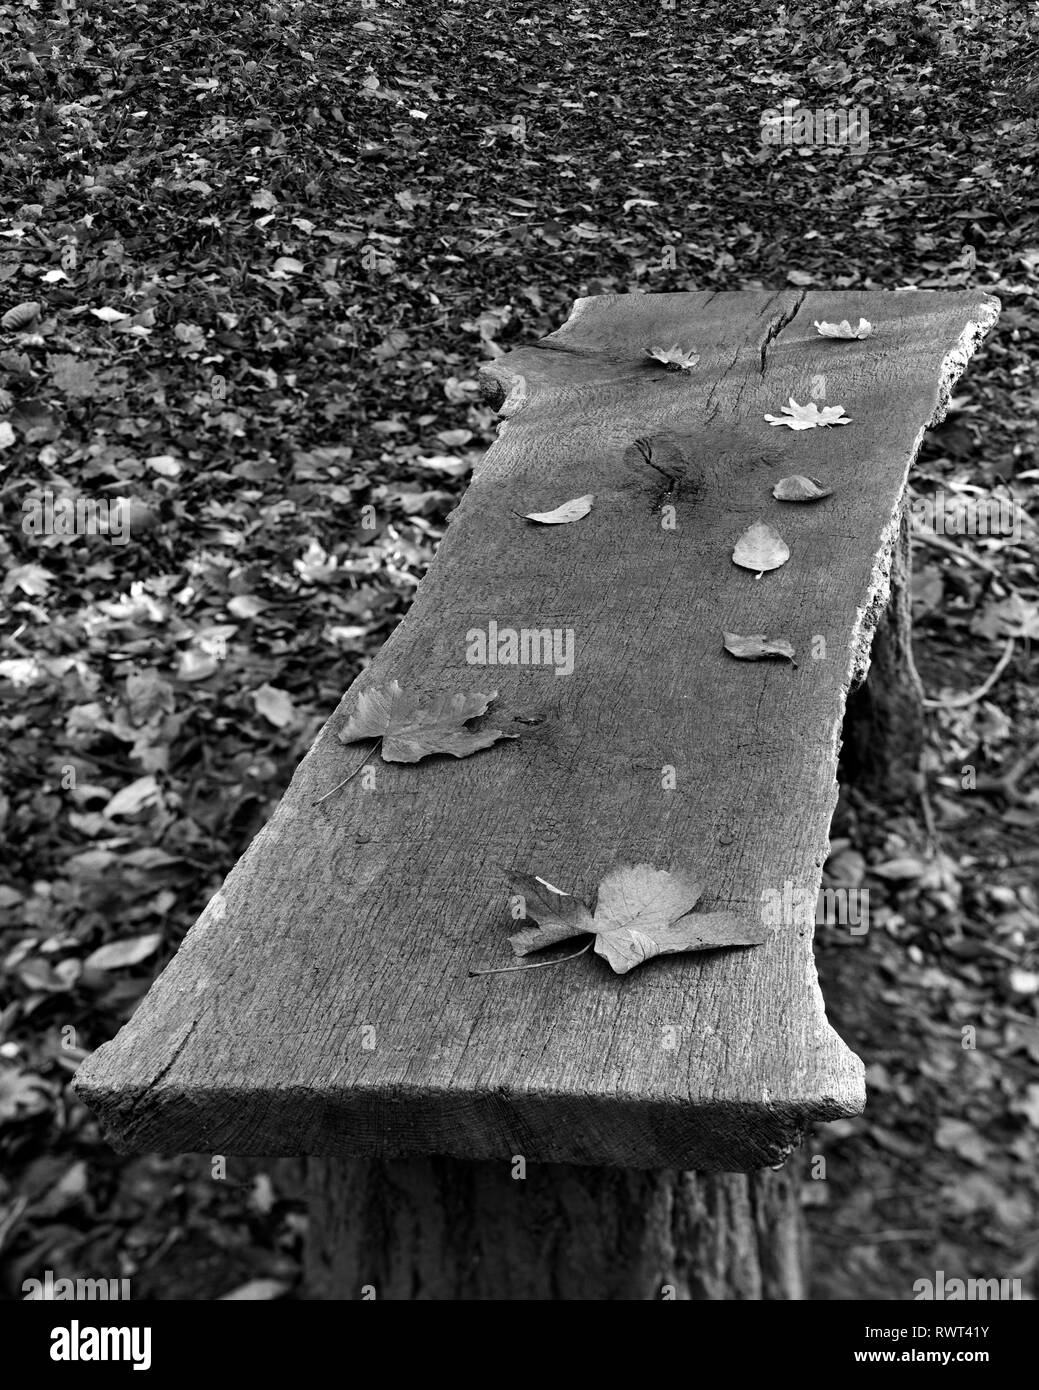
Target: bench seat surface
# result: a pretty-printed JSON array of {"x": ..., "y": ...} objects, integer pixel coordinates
[{"x": 322, "y": 1003}]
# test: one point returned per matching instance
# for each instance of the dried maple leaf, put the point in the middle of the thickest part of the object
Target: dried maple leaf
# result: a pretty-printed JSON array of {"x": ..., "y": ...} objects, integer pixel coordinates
[
  {"x": 558, "y": 915},
  {"x": 761, "y": 548},
  {"x": 573, "y": 510},
  {"x": 675, "y": 359},
  {"x": 641, "y": 912},
  {"x": 410, "y": 732},
  {"x": 807, "y": 417},
  {"x": 757, "y": 647},
  {"x": 863, "y": 329}
]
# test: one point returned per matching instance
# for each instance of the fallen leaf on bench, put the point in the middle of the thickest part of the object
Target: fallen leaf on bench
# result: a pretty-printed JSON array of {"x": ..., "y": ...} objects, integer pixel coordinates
[
  {"x": 844, "y": 329},
  {"x": 410, "y": 732},
  {"x": 558, "y": 915},
  {"x": 757, "y": 647},
  {"x": 761, "y": 548},
  {"x": 644, "y": 912},
  {"x": 641, "y": 912},
  {"x": 808, "y": 417},
  {"x": 798, "y": 488},
  {"x": 674, "y": 358},
  {"x": 573, "y": 510}
]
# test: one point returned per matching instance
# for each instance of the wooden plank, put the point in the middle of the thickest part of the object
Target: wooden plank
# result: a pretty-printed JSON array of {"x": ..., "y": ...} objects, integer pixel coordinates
[{"x": 321, "y": 1004}]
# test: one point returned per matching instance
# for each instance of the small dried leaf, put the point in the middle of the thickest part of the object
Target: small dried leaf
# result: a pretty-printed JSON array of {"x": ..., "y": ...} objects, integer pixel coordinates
[
  {"x": 274, "y": 705},
  {"x": 573, "y": 510},
  {"x": 21, "y": 316},
  {"x": 807, "y": 417},
  {"x": 250, "y": 606},
  {"x": 21, "y": 1094},
  {"x": 1011, "y": 617},
  {"x": 164, "y": 464},
  {"x": 757, "y": 647},
  {"x": 74, "y": 377},
  {"x": 863, "y": 329},
  {"x": 118, "y": 955},
  {"x": 900, "y": 870},
  {"x": 256, "y": 1290},
  {"x": 761, "y": 548},
  {"x": 1024, "y": 981},
  {"x": 134, "y": 797},
  {"x": 675, "y": 359},
  {"x": 31, "y": 579},
  {"x": 195, "y": 665},
  {"x": 108, "y": 315},
  {"x": 445, "y": 463},
  {"x": 798, "y": 488}
]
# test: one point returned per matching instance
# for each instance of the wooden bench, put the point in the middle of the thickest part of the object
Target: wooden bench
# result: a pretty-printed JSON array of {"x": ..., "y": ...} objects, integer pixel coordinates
[{"x": 571, "y": 1132}]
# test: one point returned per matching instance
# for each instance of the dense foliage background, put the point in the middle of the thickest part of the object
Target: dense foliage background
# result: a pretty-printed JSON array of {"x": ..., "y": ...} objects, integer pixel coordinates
[{"x": 270, "y": 245}]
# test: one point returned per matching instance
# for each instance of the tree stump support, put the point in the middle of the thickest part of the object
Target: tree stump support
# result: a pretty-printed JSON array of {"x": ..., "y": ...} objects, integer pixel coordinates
[{"x": 440, "y": 1228}]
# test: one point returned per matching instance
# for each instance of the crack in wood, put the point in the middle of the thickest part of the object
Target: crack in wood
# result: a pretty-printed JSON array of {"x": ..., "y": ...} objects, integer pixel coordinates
[{"x": 776, "y": 326}]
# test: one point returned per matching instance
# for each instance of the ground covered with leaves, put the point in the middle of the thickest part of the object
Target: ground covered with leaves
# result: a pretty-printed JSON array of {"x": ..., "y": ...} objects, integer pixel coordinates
[{"x": 264, "y": 249}]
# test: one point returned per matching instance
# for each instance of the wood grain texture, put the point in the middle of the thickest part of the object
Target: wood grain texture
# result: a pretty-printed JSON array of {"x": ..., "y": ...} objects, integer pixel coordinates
[{"x": 321, "y": 1004}]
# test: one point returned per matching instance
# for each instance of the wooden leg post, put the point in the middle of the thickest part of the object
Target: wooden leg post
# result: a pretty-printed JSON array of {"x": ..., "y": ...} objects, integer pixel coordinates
[{"x": 441, "y": 1228}]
